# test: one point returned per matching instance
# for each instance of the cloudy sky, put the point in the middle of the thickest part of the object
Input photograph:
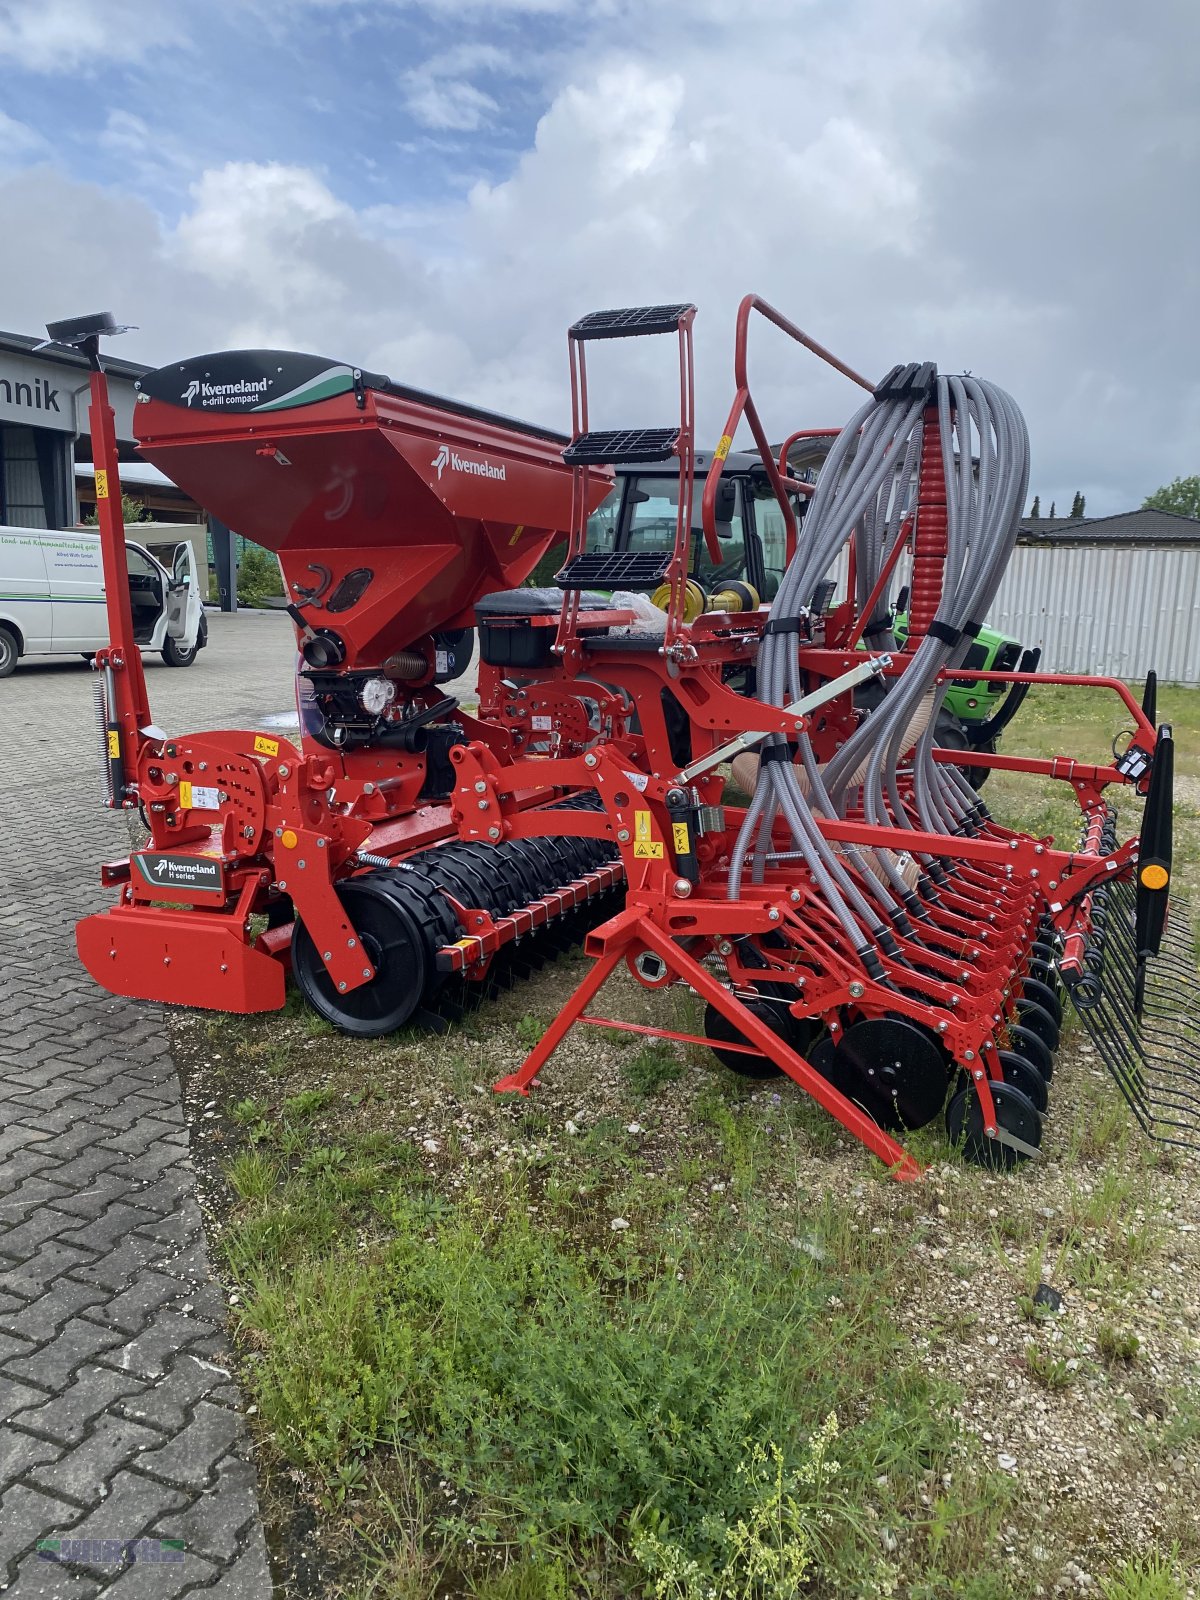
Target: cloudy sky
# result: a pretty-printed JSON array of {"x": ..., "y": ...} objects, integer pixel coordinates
[{"x": 436, "y": 188}]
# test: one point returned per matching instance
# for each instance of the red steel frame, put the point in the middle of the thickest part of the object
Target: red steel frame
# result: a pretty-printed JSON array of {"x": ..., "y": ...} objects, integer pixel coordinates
[{"x": 277, "y": 830}]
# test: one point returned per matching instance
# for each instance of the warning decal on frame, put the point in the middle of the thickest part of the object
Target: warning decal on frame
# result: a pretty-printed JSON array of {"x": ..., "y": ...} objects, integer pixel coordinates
[
  {"x": 101, "y": 484},
  {"x": 264, "y": 746},
  {"x": 114, "y": 745},
  {"x": 645, "y": 846},
  {"x": 683, "y": 843}
]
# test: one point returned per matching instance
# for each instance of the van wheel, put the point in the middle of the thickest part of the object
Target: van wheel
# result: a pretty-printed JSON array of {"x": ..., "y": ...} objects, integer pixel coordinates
[
  {"x": 175, "y": 655},
  {"x": 9, "y": 651}
]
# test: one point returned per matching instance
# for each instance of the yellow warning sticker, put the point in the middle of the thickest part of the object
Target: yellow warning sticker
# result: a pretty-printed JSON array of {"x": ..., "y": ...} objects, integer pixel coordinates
[
  {"x": 519, "y": 531},
  {"x": 185, "y": 795},
  {"x": 101, "y": 484},
  {"x": 114, "y": 745},
  {"x": 683, "y": 842},
  {"x": 645, "y": 846},
  {"x": 724, "y": 446},
  {"x": 264, "y": 746}
]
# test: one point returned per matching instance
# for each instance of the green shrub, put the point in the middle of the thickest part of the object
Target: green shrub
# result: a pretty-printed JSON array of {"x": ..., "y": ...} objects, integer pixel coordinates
[{"x": 258, "y": 576}]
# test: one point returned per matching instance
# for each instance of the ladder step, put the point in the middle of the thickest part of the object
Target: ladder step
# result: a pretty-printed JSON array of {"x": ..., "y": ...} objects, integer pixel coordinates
[
  {"x": 630, "y": 322},
  {"x": 622, "y": 569},
  {"x": 621, "y": 444}
]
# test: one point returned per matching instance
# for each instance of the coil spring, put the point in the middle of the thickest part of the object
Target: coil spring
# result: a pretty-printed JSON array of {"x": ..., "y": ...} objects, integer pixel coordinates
[{"x": 100, "y": 705}]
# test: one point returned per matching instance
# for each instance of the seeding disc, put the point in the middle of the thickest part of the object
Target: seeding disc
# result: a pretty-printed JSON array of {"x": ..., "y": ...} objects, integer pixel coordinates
[
  {"x": 1026, "y": 1077},
  {"x": 1043, "y": 995},
  {"x": 893, "y": 1070},
  {"x": 1015, "y": 1113},
  {"x": 1038, "y": 1021},
  {"x": 396, "y": 950},
  {"x": 1027, "y": 1044}
]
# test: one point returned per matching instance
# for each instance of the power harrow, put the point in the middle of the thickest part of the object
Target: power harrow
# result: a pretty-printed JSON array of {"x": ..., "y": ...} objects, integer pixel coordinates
[{"x": 849, "y": 911}]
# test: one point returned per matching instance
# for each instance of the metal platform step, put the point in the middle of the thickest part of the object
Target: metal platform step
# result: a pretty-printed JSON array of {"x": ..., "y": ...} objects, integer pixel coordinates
[
  {"x": 619, "y": 569},
  {"x": 621, "y": 444},
  {"x": 630, "y": 322}
]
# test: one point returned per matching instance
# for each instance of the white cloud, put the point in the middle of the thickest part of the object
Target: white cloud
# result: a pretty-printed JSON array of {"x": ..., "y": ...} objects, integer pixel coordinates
[
  {"x": 73, "y": 35},
  {"x": 989, "y": 189},
  {"x": 17, "y": 140},
  {"x": 450, "y": 105}
]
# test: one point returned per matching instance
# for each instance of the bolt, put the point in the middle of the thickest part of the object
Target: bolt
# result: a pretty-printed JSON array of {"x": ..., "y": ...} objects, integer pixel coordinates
[
  {"x": 341, "y": 986},
  {"x": 300, "y": 864},
  {"x": 285, "y": 772},
  {"x": 1053, "y": 884},
  {"x": 320, "y": 844},
  {"x": 724, "y": 948},
  {"x": 623, "y": 835},
  {"x": 204, "y": 766},
  {"x": 351, "y": 944},
  {"x": 485, "y": 805},
  {"x": 480, "y": 786},
  {"x": 682, "y": 888},
  {"x": 1033, "y": 872},
  {"x": 247, "y": 832},
  {"x": 366, "y": 972},
  {"x": 590, "y": 760},
  {"x": 493, "y": 832},
  {"x": 172, "y": 777},
  {"x": 283, "y": 883},
  {"x": 969, "y": 1055},
  {"x": 794, "y": 897},
  {"x": 279, "y": 833},
  {"x": 327, "y": 955},
  {"x": 942, "y": 1026},
  {"x": 977, "y": 1074},
  {"x": 772, "y": 915},
  {"x": 856, "y": 991}
]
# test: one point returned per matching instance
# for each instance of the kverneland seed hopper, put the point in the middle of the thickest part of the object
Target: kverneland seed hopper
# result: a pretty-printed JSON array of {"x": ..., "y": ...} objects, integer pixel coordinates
[{"x": 860, "y": 924}]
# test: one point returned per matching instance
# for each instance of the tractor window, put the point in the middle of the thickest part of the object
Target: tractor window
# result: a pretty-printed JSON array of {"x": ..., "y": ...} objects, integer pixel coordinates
[
  {"x": 653, "y": 510},
  {"x": 730, "y": 535},
  {"x": 602, "y": 524},
  {"x": 772, "y": 533}
]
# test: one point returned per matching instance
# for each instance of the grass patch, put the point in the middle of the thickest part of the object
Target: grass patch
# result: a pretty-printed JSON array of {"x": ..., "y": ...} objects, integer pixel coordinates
[
  {"x": 659, "y": 1409},
  {"x": 651, "y": 1068},
  {"x": 1149, "y": 1577}
]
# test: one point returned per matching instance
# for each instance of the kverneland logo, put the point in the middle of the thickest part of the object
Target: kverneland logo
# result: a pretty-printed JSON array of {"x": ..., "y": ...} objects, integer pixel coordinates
[
  {"x": 456, "y": 463},
  {"x": 243, "y": 389}
]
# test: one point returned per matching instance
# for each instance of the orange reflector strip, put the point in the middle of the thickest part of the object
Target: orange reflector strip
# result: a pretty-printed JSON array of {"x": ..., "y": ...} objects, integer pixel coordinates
[{"x": 1154, "y": 877}]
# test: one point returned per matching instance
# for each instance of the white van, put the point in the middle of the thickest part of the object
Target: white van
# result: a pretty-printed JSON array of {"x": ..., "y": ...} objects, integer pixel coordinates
[{"x": 52, "y": 598}]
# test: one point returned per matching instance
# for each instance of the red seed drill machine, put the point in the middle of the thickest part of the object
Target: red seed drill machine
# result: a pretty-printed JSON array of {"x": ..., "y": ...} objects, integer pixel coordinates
[{"x": 855, "y": 919}]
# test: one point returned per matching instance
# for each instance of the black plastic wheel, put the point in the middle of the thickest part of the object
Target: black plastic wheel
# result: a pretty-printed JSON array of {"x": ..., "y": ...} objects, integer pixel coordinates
[
  {"x": 893, "y": 1069},
  {"x": 1038, "y": 1020},
  {"x": 1044, "y": 995},
  {"x": 1028, "y": 1044},
  {"x": 1023, "y": 1075},
  {"x": 397, "y": 950},
  {"x": 1015, "y": 1113},
  {"x": 769, "y": 1009}
]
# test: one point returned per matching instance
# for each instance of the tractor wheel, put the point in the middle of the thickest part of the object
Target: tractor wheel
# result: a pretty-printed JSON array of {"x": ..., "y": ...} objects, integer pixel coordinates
[
  {"x": 396, "y": 949},
  {"x": 1015, "y": 1113},
  {"x": 949, "y": 734}
]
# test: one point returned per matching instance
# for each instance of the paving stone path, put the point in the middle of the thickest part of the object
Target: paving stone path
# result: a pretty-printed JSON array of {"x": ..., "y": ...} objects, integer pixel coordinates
[{"x": 125, "y": 1468}]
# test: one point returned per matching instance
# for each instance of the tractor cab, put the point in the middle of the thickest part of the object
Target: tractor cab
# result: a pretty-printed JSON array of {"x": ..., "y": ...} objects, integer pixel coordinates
[{"x": 640, "y": 511}]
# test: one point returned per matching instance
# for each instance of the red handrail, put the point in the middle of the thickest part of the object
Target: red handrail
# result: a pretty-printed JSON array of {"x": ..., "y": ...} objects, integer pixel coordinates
[{"x": 743, "y": 405}]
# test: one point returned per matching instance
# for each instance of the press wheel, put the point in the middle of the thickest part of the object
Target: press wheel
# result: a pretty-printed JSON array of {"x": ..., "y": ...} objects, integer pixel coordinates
[
  {"x": 1044, "y": 995},
  {"x": 1027, "y": 1044},
  {"x": 1038, "y": 1020},
  {"x": 1023, "y": 1075},
  {"x": 771, "y": 1011},
  {"x": 1015, "y": 1113},
  {"x": 396, "y": 949},
  {"x": 893, "y": 1069}
]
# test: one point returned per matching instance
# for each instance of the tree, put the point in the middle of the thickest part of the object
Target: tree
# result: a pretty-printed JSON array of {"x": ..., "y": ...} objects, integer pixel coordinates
[
  {"x": 1181, "y": 495},
  {"x": 1053, "y": 513},
  {"x": 1036, "y": 509},
  {"x": 131, "y": 511},
  {"x": 1077, "y": 504}
]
